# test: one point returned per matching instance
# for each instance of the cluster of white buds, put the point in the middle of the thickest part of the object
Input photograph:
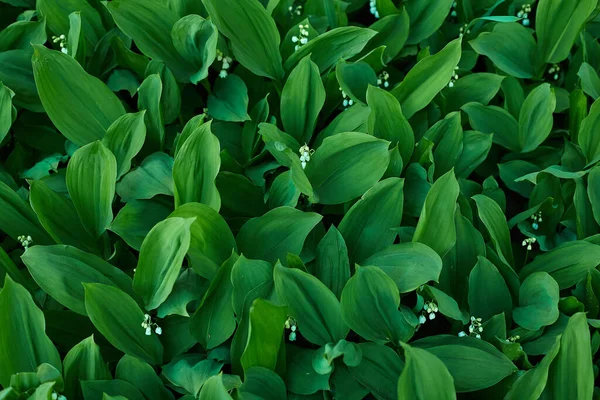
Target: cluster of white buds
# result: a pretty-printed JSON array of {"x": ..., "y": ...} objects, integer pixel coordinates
[
  {"x": 297, "y": 10},
  {"x": 514, "y": 339},
  {"x": 25, "y": 241},
  {"x": 303, "y": 38},
  {"x": 305, "y": 153},
  {"x": 524, "y": 13},
  {"x": 290, "y": 324},
  {"x": 62, "y": 42},
  {"x": 453, "y": 13},
  {"x": 464, "y": 31},
  {"x": 528, "y": 242},
  {"x": 537, "y": 217},
  {"x": 373, "y": 8},
  {"x": 148, "y": 325},
  {"x": 56, "y": 396},
  {"x": 429, "y": 309},
  {"x": 347, "y": 102},
  {"x": 554, "y": 70},
  {"x": 475, "y": 329},
  {"x": 226, "y": 60},
  {"x": 382, "y": 79},
  {"x": 454, "y": 77}
]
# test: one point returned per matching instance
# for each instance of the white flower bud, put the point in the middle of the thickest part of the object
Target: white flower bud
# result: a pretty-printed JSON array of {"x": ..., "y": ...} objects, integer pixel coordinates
[
  {"x": 478, "y": 336},
  {"x": 462, "y": 334},
  {"x": 345, "y": 103},
  {"x": 303, "y": 164},
  {"x": 422, "y": 319},
  {"x": 293, "y": 328},
  {"x": 148, "y": 331},
  {"x": 432, "y": 316},
  {"x": 294, "y": 39},
  {"x": 158, "y": 330},
  {"x": 304, "y": 40}
]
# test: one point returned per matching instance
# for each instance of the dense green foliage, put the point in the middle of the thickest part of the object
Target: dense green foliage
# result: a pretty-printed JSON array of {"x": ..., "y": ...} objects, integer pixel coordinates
[{"x": 299, "y": 199}]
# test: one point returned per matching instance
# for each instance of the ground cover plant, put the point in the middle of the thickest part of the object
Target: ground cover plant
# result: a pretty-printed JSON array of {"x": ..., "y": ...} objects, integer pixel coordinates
[{"x": 301, "y": 199}]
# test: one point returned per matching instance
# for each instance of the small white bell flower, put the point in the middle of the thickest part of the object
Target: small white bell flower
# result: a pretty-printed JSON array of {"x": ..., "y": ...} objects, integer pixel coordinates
[
  {"x": 422, "y": 319},
  {"x": 148, "y": 331},
  {"x": 158, "y": 330},
  {"x": 462, "y": 334}
]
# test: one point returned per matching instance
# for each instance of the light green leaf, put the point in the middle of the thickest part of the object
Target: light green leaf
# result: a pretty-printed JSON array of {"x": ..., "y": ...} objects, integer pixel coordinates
[
  {"x": 479, "y": 87},
  {"x": 83, "y": 363},
  {"x": 496, "y": 120},
  {"x": 301, "y": 377},
  {"x": 426, "y": 18},
  {"x": 229, "y": 100},
  {"x": 149, "y": 99},
  {"x": 56, "y": 13},
  {"x": 593, "y": 191},
  {"x": 355, "y": 78},
  {"x": 195, "y": 38},
  {"x": 332, "y": 264},
  {"x": 125, "y": 138},
  {"x": 590, "y": 81},
  {"x": 142, "y": 376},
  {"x": 22, "y": 34},
  {"x": 263, "y": 383},
  {"x": 190, "y": 372},
  {"x": 588, "y": 140},
  {"x": 535, "y": 120},
  {"x": 494, "y": 220},
  {"x": 538, "y": 302},
  {"x": 214, "y": 389},
  {"x": 153, "y": 177}
]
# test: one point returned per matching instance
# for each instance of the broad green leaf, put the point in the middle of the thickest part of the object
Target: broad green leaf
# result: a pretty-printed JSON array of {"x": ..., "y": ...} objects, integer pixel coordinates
[
  {"x": 8, "y": 267},
  {"x": 593, "y": 191},
  {"x": 22, "y": 34},
  {"x": 436, "y": 225},
  {"x": 196, "y": 166},
  {"x": 283, "y": 192},
  {"x": 387, "y": 122},
  {"x": 16, "y": 72},
  {"x": 571, "y": 373},
  {"x": 141, "y": 375},
  {"x": 95, "y": 390},
  {"x": 369, "y": 304},
  {"x": 557, "y": 25},
  {"x": 23, "y": 341},
  {"x": 332, "y": 265},
  {"x": 354, "y": 119},
  {"x": 195, "y": 38},
  {"x": 494, "y": 220},
  {"x": 125, "y": 138},
  {"x": 447, "y": 136},
  {"x": 252, "y": 32},
  {"x": 134, "y": 221},
  {"x": 301, "y": 377},
  {"x": 60, "y": 270},
  {"x": 567, "y": 264},
  {"x": 57, "y": 12},
  {"x": 275, "y": 234},
  {"x": 335, "y": 174},
  {"x": 473, "y": 363},
  {"x": 479, "y": 87},
  {"x": 43, "y": 392},
  {"x": 355, "y": 78},
  {"x": 511, "y": 47},
  {"x": 190, "y": 372},
  {"x": 229, "y": 100},
  {"x": 476, "y": 147},
  {"x": 535, "y": 120},
  {"x": 327, "y": 49},
  {"x": 424, "y": 377},
  {"x": 496, "y": 120},
  {"x": 149, "y": 99},
  {"x": 118, "y": 318},
  {"x": 590, "y": 81},
  {"x": 446, "y": 304},
  {"x": 246, "y": 276},
  {"x": 214, "y": 321},
  {"x": 426, "y": 79},
  {"x": 149, "y": 23},
  {"x": 211, "y": 240},
  {"x": 488, "y": 293},
  {"x": 311, "y": 304},
  {"x": 378, "y": 370},
  {"x": 170, "y": 96},
  {"x": 83, "y": 363},
  {"x": 264, "y": 339},
  {"x": 302, "y": 99},
  {"x": 154, "y": 176},
  {"x": 91, "y": 176},
  {"x": 79, "y": 105},
  {"x": 263, "y": 383},
  {"x": 538, "y": 302},
  {"x": 426, "y": 18},
  {"x": 214, "y": 389},
  {"x": 588, "y": 140},
  {"x": 7, "y": 111},
  {"x": 392, "y": 32},
  {"x": 161, "y": 257}
]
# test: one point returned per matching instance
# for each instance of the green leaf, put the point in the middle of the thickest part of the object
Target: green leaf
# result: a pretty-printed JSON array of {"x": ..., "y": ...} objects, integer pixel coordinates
[
  {"x": 302, "y": 99},
  {"x": 154, "y": 176},
  {"x": 538, "y": 302},
  {"x": 60, "y": 270},
  {"x": 118, "y": 318},
  {"x": 7, "y": 111},
  {"x": 56, "y": 13},
  {"x": 264, "y": 384},
  {"x": 327, "y": 49},
  {"x": 265, "y": 333},
  {"x": 571, "y": 373},
  {"x": 335, "y": 175},
  {"x": 378, "y": 370},
  {"x": 496, "y": 120},
  {"x": 95, "y": 390},
  {"x": 142, "y": 376},
  {"x": 535, "y": 120},
  {"x": 246, "y": 276},
  {"x": 252, "y": 32},
  {"x": 494, "y": 220},
  {"x": 161, "y": 257},
  {"x": 511, "y": 47},
  {"x": 558, "y": 25},
  {"x": 355, "y": 78},
  {"x": 387, "y": 122},
  {"x": 149, "y": 99},
  {"x": 16, "y": 72},
  {"x": 61, "y": 81},
  {"x": 214, "y": 389},
  {"x": 134, "y": 221},
  {"x": 125, "y": 138},
  {"x": 593, "y": 191},
  {"x": 195, "y": 38},
  {"x": 436, "y": 225},
  {"x": 426, "y": 79},
  {"x": 473, "y": 363},
  {"x": 301, "y": 377},
  {"x": 191, "y": 372},
  {"x": 332, "y": 265},
  {"x": 567, "y": 264},
  {"x": 590, "y": 81},
  {"x": 149, "y": 24},
  {"x": 229, "y": 101},
  {"x": 447, "y": 135},
  {"x": 170, "y": 96},
  {"x": 479, "y": 87},
  {"x": 214, "y": 321},
  {"x": 22, "y": 34},
  {"x": 392, "y": 33},
  {"x": 488, "y": 293},
  {"x": 370, "y": 302},
  {"x": 426, "y": 18},
  {"x": 424, "y": 377},
  {"x": 588, "y": 140},
  {"x": 211, "y": 240},
  {"x": 196, "y": 167},
  {"x": 311, "y": 304},
  {"x": 476, "y": 147},
  {"x": 83, "y": 363},
  {"x": 91, "y": 176},
  {"x": 23, "y": 341},
  {"x": 275, "y": 234}
]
